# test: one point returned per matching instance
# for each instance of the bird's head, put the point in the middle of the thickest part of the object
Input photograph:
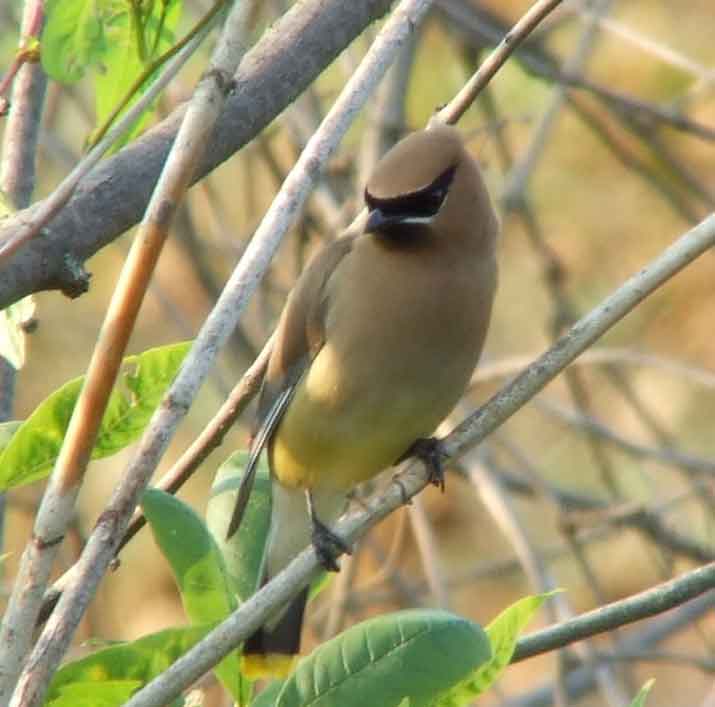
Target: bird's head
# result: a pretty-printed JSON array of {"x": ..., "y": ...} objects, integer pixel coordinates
[{"x": 419, "y": 182}]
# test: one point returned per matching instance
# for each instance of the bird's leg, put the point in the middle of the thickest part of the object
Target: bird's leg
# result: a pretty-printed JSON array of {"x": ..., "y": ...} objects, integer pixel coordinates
[
  {"x": 328, "y": 546},
  {"x": 431, "y": 452}
]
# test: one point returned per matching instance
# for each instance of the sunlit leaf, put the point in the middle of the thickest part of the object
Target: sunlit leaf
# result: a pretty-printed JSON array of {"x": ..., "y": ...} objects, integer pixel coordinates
[
  {"x": 34, "y": 447},
  {"x": 417, "y": 654},
  {"x": 108, "y": 677},
  {"x": 640, "y": 698},
  {"x": 73, "y": 38},
  {"x": 244, "y": 551},
  {"x": 503, "y": 634},
  {"x": 198, "y": 569}
]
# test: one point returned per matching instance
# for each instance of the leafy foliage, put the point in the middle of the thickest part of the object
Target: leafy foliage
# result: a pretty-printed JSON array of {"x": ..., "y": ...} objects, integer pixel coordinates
[
  {"x": 109, "y": 676},
  {"x": 503, "y": 634},
  {"x": 198, "y": 568},
  {"x": 417, "y": 654},
  {"x": 116, "y": 38},
  {"x": 33, "y": 449},
  {"x": 244, "y": 551}
]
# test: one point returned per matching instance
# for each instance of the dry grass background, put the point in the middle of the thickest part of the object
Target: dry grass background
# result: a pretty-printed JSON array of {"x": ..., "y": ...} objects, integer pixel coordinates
[{"x": 601, "y": 218}]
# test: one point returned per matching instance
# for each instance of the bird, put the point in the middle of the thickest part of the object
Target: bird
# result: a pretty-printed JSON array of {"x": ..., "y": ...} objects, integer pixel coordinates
[{"x": 375, "y": 345}]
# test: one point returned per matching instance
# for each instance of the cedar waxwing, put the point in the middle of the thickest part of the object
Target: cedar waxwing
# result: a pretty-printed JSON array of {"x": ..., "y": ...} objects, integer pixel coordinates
[{"x": 375, "y": 346}]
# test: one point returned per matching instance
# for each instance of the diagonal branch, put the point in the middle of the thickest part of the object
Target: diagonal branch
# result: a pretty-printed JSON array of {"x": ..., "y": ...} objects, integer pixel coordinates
[
  {"x": 252, "y": 613},
  {"x": 113, "y": 197},
  {"x": 58, "y": 503}
]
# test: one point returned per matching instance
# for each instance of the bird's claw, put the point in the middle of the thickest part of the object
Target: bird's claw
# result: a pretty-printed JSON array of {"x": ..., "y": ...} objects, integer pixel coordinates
[
  {"x": 328, "y": 546},
  {"x": 431, "y": 452}
]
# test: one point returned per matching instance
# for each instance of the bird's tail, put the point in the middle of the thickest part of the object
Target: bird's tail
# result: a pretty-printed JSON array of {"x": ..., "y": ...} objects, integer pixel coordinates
[{"x": 273, "y": 649}]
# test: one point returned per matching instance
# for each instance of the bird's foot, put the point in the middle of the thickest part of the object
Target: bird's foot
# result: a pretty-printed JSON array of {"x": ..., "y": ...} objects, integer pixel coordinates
[
  {"x": 328, "y": 546},
  {"x": 431, "y": 452}
]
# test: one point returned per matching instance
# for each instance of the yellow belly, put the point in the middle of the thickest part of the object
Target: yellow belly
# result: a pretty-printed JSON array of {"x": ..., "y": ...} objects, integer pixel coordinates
[{"x": 338, "y": 432}]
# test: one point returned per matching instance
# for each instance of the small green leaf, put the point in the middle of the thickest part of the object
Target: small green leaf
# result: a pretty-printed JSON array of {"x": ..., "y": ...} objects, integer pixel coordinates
[
  {"x": 106, "y": 674},
  {"x": 130, "y": 50},
  {"x": 503, "y": 633},
  {"x": 73, "y": 38},
  {"x": 34, "y": 447},
  {"x": 243, "y": 553},
  {"x": 198, "y": 569},
  {"x": 640, "y": 698},
  {"x": 416, "y": 654},
  {"x": 13, "y": 320}
]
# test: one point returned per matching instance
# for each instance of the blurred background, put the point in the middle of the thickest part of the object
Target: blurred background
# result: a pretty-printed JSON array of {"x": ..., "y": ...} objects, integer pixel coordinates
[{"x": 598, "y": 143}]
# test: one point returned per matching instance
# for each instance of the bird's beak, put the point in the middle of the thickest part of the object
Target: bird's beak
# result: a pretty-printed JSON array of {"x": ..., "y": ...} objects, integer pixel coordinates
[{"x": 376, "y": 220}]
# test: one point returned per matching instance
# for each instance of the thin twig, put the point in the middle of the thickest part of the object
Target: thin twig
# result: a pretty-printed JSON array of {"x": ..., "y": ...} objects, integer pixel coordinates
[
  {"x": 289, "y": 582},
  {"x": 619, "y": 613},
  {"x": 210, "y": 439},
  {"x": 43, "y": 213},
  {"x": 454, "y": 110},
  {"x": 58, "y": 503},
  {"x": 102, "y": 543},
  {"x": 428, "y": 552}
]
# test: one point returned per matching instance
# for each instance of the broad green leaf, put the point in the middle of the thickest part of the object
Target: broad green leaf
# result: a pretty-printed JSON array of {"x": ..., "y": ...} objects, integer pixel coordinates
[
  {"x": 267, "y": 698},
  {"x": 503, "y": 633},
  {"x": 13, "y": 320},
  {"x": 95, "y": 694},
  {"x": 109, "y": 671},
  {"x": 198, "y": 569},
  {"x": 73, "y": 38},
  {"x": 640, "y": 698},
  {"x": 34, "y": 447},
  {"x": 416, "y": 654},
  {"x": 244, "y": 551}
]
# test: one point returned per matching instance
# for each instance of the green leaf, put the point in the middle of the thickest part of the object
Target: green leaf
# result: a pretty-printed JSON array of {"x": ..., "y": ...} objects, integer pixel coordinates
[
  {"x": 416, "y": 654},
  {"x": 267, "y": 698},
  {"x": 34, "y": 447},
  {"x": 73, "y": 38},
  {"x": 503, "y": 633},
  {"x": 95, "y": 694},
  {"x": 198, "y": 569},
  {"x": 243, "y": 553},
  {"x": 13, "y": 320},
  {"x": 107, "y": 674},
  {"x": 129, "y": 51},
  {"x": 640, "y": 698}
]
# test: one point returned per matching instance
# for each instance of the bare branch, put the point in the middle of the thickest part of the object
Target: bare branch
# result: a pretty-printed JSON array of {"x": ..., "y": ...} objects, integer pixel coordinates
[
  {"x": 58, "y": 504},
  {"x": 454, "y": 110},
  {"x": 648, "y": 603},
  {"x": 289, "y": 582},
  {"x": 113, "y": 197}
]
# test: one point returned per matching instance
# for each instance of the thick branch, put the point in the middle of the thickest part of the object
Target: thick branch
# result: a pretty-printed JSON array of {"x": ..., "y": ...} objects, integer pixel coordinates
[
  {"x": 113, "y": 198},
  {"x": 497, "y": 410}
]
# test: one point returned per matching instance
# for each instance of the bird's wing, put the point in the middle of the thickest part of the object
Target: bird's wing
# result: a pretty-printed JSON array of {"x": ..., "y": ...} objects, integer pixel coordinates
[{"x": 299, "y": 337}]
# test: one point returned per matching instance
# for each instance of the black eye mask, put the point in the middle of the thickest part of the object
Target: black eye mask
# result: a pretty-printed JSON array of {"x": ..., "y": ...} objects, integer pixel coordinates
[{"x": 423, "y": 203}]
